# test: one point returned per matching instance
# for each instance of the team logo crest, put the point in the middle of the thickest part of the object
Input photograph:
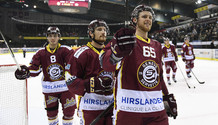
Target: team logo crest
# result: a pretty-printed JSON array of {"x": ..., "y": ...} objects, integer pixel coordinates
[
  {"x": 148, "y": 74},
  {"x": 55, "y": 71}
]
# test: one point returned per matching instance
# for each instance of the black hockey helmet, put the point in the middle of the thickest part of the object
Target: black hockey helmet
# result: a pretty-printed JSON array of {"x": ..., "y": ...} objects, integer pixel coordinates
[
  {"x": 54, "y": 30},
  {"x": 96, "y": 23},
  {"x": 140, "y": 8}
]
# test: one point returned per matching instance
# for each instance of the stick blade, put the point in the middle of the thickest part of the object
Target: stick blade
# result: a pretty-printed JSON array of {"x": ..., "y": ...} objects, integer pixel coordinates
[{"x": 201, "y": 82}]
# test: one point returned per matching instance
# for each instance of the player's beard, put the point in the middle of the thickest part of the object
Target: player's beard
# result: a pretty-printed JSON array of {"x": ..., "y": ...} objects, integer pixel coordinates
[
  {"x": 144, "y": 27},
  {"x": 101, "y": 39}
]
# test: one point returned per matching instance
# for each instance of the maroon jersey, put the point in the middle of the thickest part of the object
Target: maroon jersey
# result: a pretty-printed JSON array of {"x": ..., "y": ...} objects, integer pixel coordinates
[
  {"x": 169, "y": 53},
  {"x": 188, "y": 52},
  {"x": 52, "y": 64},
  {"x": 83, "y": 65},
  {"x": 139, "y": 83}
]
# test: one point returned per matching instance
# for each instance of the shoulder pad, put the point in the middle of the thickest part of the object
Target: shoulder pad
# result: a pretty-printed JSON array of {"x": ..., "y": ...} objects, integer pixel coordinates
[
  {"x": 172, "y": 45},
  {"x": 80, "y": 51},
  {"x": 66, "y": 47},
  {"x": 40, "y": 49}
]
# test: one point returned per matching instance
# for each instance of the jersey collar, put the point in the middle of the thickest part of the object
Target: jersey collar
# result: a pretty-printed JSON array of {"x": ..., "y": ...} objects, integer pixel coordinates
[
  {"x": 187, "y": 44},
  {"x": 52, "y": 51},
  {"x": 142, "y": 39},
  {"x": 92, "y": 47},
  {"x": 168, "y": 46}
]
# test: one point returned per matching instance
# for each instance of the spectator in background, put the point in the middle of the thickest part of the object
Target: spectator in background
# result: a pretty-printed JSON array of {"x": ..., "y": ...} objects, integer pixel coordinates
[
  {"x": 24, "y": 51},
  {"x": 212, "y": 45}
]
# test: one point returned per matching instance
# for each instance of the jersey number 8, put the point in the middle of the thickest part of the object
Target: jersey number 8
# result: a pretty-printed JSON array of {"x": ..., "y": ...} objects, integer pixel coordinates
[{"x": 53, "y": 58}]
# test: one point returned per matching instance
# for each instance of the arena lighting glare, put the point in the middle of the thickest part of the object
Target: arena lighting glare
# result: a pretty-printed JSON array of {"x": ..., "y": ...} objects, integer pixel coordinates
[
  {"x": 26, "y": 5},
  {"x": 199, "y": 2}
]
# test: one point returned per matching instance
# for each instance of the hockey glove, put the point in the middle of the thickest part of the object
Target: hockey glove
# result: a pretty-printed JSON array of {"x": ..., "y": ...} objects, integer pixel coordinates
[
  {"x": 123, "y": 42},
  {"x": 170, "y": 105},
  {"x": 23, "y": 73},
  {"x": 176, "y": 58},
  {"x": 183, "y": 59},
  {"x": 100, "y": 85}
]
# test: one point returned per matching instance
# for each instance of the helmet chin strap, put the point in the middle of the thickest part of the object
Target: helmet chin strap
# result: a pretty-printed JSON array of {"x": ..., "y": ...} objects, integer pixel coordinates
[{"x": 99, "y": 43}]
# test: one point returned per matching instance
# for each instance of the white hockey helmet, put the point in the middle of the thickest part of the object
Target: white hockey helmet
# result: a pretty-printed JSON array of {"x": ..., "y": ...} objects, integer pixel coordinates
[
  {"x": 166, "y": 39},
  {"x": 53, "y": 30},
  {"x": 186, "y": 38},
  {"x": 140, "y": 8}
]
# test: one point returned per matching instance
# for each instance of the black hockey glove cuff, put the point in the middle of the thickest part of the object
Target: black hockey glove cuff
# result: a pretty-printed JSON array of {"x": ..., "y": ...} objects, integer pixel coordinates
[
  {"x": 176, "y": 58},
  {"x": 183, "y": 59},
  {"x": 100, "y": 85},
  {"x": 170, "y": 105}
]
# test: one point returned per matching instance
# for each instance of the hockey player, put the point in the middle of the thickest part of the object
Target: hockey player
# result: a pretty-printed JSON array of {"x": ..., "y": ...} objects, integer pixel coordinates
[
  {"x": 169, "y": 58},
  {"x": 139, "y": 87},
  {"x": 51, "y": 60},
  {"x": 188, "y": 56},
  {"x": 88, "y": 80}
]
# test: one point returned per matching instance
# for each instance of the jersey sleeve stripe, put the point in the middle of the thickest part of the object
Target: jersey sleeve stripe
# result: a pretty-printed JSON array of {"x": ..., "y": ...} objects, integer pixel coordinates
[{"x": 80, "y": 51}]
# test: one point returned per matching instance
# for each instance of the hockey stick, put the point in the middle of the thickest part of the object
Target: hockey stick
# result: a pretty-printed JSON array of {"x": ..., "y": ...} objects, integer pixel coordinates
[
  {"x": 184, "y": 76},
  {"x": 103, "y": 113},
  {"x": 197, "y": 78},
  {"x": 12, "y": 54}
]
